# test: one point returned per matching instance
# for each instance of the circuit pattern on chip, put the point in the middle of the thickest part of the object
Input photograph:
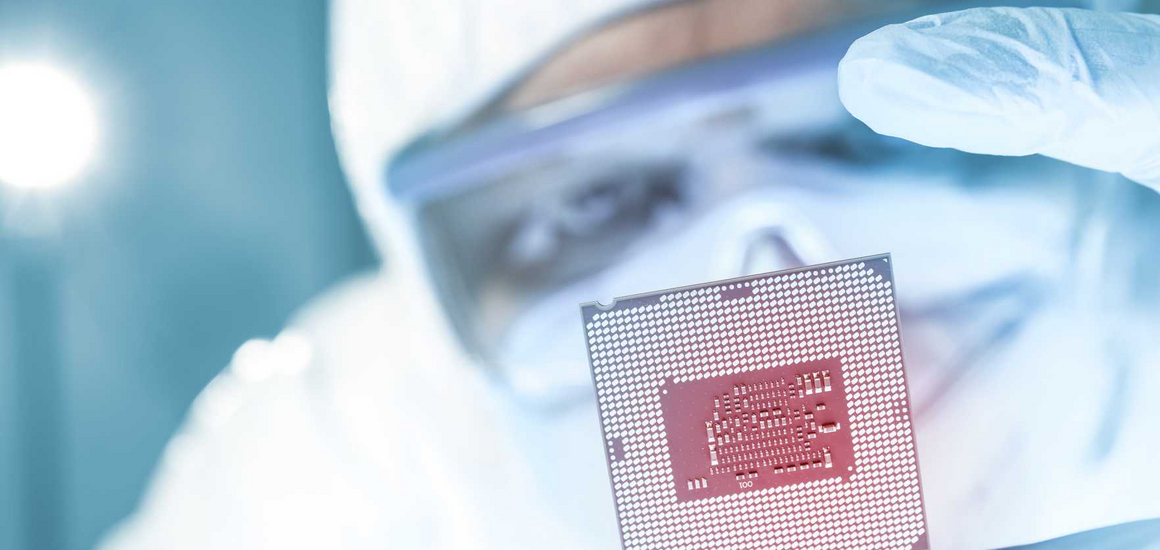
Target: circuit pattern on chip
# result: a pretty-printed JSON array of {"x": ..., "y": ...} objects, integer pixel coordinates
[{"x": 769, "y": 411}]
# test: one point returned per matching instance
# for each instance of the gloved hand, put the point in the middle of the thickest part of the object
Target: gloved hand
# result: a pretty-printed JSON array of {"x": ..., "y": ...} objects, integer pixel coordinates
[{"x": 1076, "y": 85}]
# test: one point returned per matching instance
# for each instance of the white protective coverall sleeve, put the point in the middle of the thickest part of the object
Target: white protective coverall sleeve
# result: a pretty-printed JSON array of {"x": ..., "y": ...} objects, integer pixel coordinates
[{"x": 1080, "y": 86}]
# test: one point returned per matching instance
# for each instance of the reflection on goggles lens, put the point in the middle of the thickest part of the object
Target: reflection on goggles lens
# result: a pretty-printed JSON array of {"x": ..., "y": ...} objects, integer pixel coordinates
[{"x": 563, "y": 237}]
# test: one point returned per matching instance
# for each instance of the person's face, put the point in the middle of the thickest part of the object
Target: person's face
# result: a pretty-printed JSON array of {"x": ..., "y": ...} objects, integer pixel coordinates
[{"x": 743, "y": 165}]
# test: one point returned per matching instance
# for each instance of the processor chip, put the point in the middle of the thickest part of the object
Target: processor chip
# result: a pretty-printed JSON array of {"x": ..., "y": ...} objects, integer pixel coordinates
[{"x": 769, "y": 411}]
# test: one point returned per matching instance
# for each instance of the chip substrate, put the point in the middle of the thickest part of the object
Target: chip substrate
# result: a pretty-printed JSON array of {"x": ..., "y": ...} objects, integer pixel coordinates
[{"x": 769, "y": 411}]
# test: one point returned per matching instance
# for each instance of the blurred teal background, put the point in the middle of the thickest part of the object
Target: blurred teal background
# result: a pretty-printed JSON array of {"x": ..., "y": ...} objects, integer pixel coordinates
[{"x": 215, "y": 208}]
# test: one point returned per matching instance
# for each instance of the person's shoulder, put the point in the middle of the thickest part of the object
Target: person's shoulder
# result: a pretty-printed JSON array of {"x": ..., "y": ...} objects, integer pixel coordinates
[
  {"x": 290, "y": 369},
  {"x": 267, "y": 439},
  {"x": 372, "y": 315},
  {"x": 359, "y": 295}
]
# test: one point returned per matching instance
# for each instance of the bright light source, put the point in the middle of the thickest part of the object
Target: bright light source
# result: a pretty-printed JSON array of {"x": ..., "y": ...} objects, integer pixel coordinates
[{"x": 48, "y": 126}]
